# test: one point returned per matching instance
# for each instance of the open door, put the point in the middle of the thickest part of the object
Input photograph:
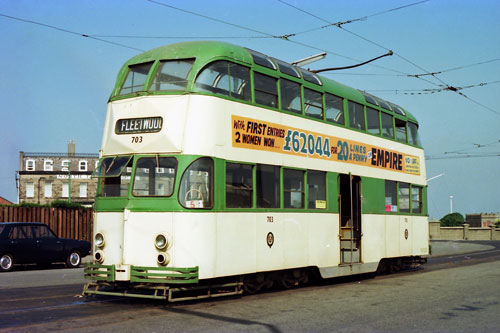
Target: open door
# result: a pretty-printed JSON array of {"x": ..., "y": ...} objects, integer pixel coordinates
[{"x": 350, "y": 218}]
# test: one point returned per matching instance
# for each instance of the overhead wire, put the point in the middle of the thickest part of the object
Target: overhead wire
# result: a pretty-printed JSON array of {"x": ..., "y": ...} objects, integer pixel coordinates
[
  {"x": 281, "y": 37},
  {"x": 69, "y": 31},
  {"x": 434, "y": 75},
  {"x": 466, "y": 152}
]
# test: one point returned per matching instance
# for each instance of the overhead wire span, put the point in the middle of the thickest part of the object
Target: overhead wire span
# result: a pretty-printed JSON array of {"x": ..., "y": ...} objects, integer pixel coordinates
[
  {"x": 69, "y": 32},
  {"x": 434, "y": 75}
]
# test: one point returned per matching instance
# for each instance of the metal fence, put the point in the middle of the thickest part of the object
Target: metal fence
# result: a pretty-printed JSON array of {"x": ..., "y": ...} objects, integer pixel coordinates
[{"x": 65, "y": 222}]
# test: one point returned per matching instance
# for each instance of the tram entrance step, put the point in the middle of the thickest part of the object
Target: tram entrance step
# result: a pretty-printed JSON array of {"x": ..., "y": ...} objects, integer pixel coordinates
[{"x": 349, "y": 255}]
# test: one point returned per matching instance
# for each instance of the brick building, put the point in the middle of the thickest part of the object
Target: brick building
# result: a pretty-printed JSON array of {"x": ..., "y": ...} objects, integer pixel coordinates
[
  {"x": 482, "y": 220},
  {"x": 45, "y": 177}
]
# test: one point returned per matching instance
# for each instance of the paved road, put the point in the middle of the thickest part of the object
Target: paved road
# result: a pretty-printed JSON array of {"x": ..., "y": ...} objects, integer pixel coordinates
[{"x": 453, "y": 293}]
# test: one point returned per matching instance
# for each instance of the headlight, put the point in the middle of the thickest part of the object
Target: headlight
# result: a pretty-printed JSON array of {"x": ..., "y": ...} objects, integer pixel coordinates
[
  {"x": 163, "y": 258},
  {"x": 99, "y": 240},
  {"x": 161, "y": 242},
  {"x": 99, "y": 256}
]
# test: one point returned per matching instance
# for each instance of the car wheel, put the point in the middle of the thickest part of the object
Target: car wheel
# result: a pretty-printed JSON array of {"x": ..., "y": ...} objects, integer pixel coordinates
[
  {"x": 6, "y": 262},
  {"x": 74, "y": 259}
]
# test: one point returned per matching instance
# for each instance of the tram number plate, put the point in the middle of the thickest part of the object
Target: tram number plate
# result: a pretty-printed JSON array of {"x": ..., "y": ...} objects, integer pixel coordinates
[{"x": 137, "y": 139}]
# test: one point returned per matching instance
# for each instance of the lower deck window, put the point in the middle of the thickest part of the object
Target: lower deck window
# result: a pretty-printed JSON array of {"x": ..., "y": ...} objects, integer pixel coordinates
[
  {"x": 391, "y": 196},
  {"x": 268, "y": 186},
  {"x": 416, "y": 199},
  {"x": 293, "y": 188},
  {"x": 403, "y": 197},
  {"x": 239, "y": 185},
  {"x": 316, "y": 189}
]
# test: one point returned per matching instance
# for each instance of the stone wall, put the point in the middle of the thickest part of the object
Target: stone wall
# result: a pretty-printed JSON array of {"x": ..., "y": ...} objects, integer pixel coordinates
[{"x": 465, "y": 232}]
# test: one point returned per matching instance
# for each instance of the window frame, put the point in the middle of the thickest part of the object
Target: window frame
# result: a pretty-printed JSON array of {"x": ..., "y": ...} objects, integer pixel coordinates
[
  {"x": 251, "y": 190},
  {"x": 289, "y": 190},
  {"x": 261, "y": 90}
]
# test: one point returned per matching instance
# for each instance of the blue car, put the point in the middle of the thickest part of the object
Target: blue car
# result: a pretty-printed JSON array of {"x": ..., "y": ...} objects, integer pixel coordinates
[{"x": 35, "y": 243}]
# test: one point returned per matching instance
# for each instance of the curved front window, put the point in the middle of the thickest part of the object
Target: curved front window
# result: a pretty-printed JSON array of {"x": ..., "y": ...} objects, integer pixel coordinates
[
  {"x": 196, "y": 186},
  {"x": 136, "y": 78},
  {"x": 225, "y": 78},
  {"x": 172, "y": 75},
  {"x": 154, "y": 176}
]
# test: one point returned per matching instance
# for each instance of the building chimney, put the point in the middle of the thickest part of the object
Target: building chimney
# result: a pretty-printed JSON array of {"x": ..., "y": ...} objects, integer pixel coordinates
[{"x": 71, "y": 148}]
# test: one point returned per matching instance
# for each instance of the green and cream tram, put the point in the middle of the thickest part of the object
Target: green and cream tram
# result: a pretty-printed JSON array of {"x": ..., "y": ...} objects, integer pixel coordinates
[{"x": 223, "y": 169}]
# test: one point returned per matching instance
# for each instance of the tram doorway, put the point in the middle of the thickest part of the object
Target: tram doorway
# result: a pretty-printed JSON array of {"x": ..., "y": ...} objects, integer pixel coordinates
[{"x": 350, "y": 218}]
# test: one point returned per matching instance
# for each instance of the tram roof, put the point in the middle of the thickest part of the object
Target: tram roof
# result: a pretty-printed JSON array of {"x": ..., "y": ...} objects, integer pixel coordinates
[{"x": 207, "y": 51}]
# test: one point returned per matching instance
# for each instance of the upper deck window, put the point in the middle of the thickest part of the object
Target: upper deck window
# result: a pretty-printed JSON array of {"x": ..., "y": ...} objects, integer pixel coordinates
[
  {"x": 262, "y": 59},
  {"x": 287, "y": 68},
  {"x": 385, "y": 105},
  {"x": 265, "y": 90},
  {"x": 225, "y": 78},
  {"x": 372, "y": 120},
  {"x": 136, "y": 78},
  {"x": 413, "y": 137},
  {"x": 290, "y": 96},
  {"x": 370, "y": 99},
  {"x": 356, "y": 116},
  {"x": 387, "y": 125},
  {"x": 310, "y": 77},
  {"x": 400, "y": 129},
  {"x": 313, "y": 103},
  {"x": 172, "y": 75},
  {"x": 397, "y": 109},
  {"x": 334, "y": 109}
]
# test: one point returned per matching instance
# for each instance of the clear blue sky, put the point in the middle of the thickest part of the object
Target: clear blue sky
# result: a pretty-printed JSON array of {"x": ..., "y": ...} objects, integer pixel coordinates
[{"x": 55, "y": 84}]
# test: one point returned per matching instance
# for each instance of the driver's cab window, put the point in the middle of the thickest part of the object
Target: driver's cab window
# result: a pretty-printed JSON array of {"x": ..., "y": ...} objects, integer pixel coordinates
[{"x": 115, "y": 173}]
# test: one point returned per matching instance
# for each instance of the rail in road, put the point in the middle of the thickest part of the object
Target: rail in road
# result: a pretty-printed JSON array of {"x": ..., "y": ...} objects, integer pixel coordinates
[{"x": 35, "y": 300}]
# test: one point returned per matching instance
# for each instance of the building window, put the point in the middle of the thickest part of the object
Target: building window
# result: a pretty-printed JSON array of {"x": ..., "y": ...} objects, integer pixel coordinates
[
  {"x": 48, "y": 190},
  {"x": 65, "y": 165},
  {"x": 48, "y": 165},
  {"x": 65, "y": 190},
  {"x": 82, "y": 166},
  {"x": 30, "y": 165},
  {"x": 30, "y": 190},
  {"x": 83, "y": 190}
]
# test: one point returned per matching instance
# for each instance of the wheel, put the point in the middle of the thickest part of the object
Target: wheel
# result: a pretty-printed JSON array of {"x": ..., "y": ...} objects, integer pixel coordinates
[
  {"x": 6, "y": 262},
  {"x": 74, "y": 259}
]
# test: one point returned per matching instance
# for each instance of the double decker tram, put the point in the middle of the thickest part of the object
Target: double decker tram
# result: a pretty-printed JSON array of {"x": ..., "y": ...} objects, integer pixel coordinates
[{"x": 224, "y": 170}]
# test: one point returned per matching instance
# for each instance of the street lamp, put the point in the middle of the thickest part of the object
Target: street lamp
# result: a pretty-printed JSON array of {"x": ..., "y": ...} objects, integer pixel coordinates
[{"x": 451, "y": 204}]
